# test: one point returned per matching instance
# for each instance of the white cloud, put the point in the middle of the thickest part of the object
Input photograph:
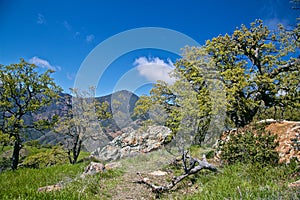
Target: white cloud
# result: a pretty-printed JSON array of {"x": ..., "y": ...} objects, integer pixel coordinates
[
  {"x": 154, "y": 69},
  {"x": 90, "y": 38},
  {"x": 70, "y": 76},
  {"x": 67, "y": 25},
  {"x": 41, "y": 19},
  {"x": 43, "y": 63},
  {"x": 272, "y": 23}
]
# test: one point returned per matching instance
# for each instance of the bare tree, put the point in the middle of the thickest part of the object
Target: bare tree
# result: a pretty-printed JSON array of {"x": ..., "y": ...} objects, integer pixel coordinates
[{"x": 81, "y": 121}]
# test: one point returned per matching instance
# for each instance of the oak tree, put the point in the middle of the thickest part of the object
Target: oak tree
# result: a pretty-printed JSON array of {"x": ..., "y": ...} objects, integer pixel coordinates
[
  {"x": 23, "y": 90},
  {"x": 259, "y": 68},
  {"x": 82, "y": 121}
]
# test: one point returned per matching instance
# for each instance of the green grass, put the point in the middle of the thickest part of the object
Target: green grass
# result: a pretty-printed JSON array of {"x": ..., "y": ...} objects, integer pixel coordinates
[
  {"x": 237, "y": 181},
  {"x": 24, "y": 183},
  {"x": 245, "y": 182}
]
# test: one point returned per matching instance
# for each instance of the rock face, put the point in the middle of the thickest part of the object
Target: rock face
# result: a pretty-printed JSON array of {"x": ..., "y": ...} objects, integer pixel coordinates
[
  {"x": 132, "y": 142},
  {"x": 288, "y": 136}
]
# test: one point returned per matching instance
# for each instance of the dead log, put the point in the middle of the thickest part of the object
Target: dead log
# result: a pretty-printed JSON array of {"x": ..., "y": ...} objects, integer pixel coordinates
[{"x": 190, "y": 166}]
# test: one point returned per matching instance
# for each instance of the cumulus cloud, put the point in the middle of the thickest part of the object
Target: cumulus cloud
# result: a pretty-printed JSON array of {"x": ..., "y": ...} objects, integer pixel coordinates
[
  {"x": 43, "y": 63},
  {"x": 41, "y": 19},
  {"x": 154, "y": 69},
  {"x": 90, "y": 38}
]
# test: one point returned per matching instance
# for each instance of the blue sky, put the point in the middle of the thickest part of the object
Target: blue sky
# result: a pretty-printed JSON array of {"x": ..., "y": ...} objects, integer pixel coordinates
[{"x": 60, "y": 34}]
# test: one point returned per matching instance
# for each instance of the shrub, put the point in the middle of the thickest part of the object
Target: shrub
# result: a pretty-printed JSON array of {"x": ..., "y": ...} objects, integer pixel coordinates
[
  {"x": 53, "y": 156},
  {"x": 250, "y": 147},
  {"x": 5, "y": 163},
  {"x": 33, "y": 143}
]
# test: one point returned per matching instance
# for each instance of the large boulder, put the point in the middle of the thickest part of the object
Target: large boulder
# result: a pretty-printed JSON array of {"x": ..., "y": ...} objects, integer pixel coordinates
[
  {"x": 132, "y": 142},
  {"x": 107, "y": 153}
]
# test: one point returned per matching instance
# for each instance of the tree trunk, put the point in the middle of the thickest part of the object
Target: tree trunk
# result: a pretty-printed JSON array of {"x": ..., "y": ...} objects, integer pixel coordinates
[
  {"x": 16, "y": 152},
  {"x": 77, "y": 151}
]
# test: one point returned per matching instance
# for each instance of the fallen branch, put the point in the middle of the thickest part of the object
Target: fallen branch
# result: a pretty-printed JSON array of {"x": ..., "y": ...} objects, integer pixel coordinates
[{"x": 195, "y": 165}]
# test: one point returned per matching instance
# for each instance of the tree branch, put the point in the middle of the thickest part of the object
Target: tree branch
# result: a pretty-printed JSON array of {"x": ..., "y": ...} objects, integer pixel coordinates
[
  {"x": 196, "y": 166},
  {"x": 286, "y": 68}
]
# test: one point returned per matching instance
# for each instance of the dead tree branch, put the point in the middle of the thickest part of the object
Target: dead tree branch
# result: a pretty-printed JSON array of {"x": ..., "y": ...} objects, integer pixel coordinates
[{"x": 194, "y": 166}]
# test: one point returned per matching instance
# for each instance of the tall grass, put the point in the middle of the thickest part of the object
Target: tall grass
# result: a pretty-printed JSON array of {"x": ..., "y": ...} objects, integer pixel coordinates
[
  {"x": 246, "y": 182},
  {"x": 24, "y": 183}
]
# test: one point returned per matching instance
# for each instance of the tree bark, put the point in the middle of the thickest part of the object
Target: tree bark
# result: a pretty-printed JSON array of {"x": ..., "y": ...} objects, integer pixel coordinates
[
  {"x": 76, "y": 151},
  {"x": 16, "y": 152}
]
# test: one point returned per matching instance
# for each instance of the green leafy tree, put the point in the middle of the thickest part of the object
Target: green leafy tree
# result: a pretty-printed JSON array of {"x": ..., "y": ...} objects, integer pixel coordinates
[
  {"x": 259, "y": 69},
  {"x": 190, "y": 103},
  {"x": 82, "y": 121},
  {"x": 23, "y": 90}
]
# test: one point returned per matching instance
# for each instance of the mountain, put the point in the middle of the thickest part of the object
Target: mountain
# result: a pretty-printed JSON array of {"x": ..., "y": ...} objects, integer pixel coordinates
[{"x": 121, "y": 105}]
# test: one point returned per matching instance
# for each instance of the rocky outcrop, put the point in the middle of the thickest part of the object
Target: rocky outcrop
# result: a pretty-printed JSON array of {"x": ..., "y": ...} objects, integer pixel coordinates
[
  {"x": 132, "y": 142},
  {"x": 288, "y": 137}
]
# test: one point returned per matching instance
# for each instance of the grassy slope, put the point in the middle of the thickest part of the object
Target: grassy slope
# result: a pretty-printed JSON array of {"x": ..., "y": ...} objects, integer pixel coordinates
[{"x": 246, "y": 181}]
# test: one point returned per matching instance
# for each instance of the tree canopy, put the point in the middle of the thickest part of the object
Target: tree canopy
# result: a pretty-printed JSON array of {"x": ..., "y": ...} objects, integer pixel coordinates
[
  {"x": 23, "y": 90},
  {"x": 82, "y": 121},
  {"x": 242, "y": 74},
  {"x": 259, "y": 68}
]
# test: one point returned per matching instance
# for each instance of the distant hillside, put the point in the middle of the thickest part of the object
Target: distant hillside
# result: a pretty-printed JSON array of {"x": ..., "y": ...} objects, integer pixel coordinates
[
  {"x": 60, "y": 107},
  {"x": 121, "y": 105}
]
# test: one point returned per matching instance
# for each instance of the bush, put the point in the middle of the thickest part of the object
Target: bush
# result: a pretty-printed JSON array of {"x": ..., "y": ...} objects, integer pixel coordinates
[
  {"x": 5, "y": 163},
  {"x": 250, "y": 147},
  {"x": 53, "y": 156},
  {"x": 33, "y": 143}
]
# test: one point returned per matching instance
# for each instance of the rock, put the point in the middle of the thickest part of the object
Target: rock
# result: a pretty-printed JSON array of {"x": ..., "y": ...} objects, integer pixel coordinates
[
  {"x": 295, "y": 184},
  {"x": 288, "y": 136},
  {"x": 107, "y": 153},
  {"x": 51, "y": 188},
  {"x": 115, "y": 134},
  {"x": 133, "y": 142},
  {"x": 158, "y": 173},
  {"x": 93, "y": 168},
  {"x": 96, "y": 140},
  {"x": 113, "y": 165}
]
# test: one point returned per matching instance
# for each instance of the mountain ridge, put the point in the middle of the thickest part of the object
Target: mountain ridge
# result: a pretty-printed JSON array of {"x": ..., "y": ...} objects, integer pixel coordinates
[{"x": 60, "y": 107}]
